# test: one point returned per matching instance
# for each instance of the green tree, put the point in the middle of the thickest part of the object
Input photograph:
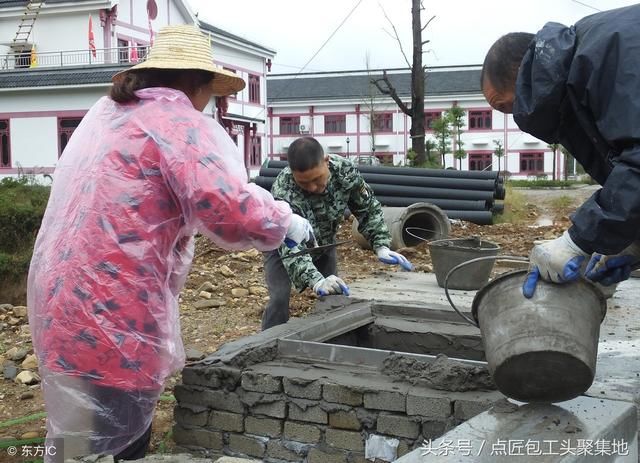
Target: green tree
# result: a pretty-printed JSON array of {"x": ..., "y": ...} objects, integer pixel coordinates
[
  {"x": 456, "y": 117},
  {"x": 442, "y": 133},
  {"x": 498, "y": 151},
  {"x": 460, "y": 154}
]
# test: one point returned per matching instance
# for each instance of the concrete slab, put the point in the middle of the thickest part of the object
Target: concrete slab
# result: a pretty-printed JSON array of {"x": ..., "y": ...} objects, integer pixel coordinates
[
  {"x": 582, "y": 429},
  {"x": 618, "y": 367}
]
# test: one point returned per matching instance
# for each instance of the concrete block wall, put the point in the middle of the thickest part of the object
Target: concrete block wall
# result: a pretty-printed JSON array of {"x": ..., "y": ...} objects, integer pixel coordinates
[{"x": 278, "y": 418}]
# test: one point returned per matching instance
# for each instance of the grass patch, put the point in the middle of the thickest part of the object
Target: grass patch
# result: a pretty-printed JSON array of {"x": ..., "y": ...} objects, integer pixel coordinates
[
  {"x": 561, "y": 202},
  {"x": 515, "y": 209}
]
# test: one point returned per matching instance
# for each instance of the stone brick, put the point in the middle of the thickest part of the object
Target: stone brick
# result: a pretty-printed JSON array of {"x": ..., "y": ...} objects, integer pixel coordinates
[
  {"x": 274, "y": 409},
  {"x": 397, "y": 425},
  {"x": 211, "y": 377},
  {"x": 263, "y": 426},
  {"x": 302, "y": 388},
  {"x": 385, "y": 400},
  {"x": 348, "y": 440},
  {"x": 219, "y": 400},
  {"x": 189, "y": 417},
  {"x": 200, "y": 377},
  {"x": 247, "y": 445},
  {"x": 197, "y": 437},
  {"x": 433, "y": 429},
  {"x": 260, "y": 382},
  {"x": 341, "y": 394},
  {"x": 320, "y": 456},
  {"x": 428, "y": 407},
  {"x": 303, "y": 410},
  {"x": 345, "y": 420},
  {"x": 276, "y": 449},
  {"x": 467, "y": 409},
  {"x": 302, "y": 432},
  {"x": 226, "y": 421},
  {"x": 272, "y": 405}
]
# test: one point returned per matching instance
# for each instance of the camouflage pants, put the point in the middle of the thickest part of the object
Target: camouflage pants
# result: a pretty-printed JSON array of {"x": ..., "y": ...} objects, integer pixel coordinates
[{"x": 279, "y": 285}]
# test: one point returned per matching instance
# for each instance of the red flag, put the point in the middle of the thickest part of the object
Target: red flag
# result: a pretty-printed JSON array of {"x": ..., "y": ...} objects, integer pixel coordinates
[
  {"x": 92, "y": 42},
  {"x": 133, "y": 57}
]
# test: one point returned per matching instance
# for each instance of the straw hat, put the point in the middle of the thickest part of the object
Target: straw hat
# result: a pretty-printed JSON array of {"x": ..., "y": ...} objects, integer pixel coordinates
[{"x": 185, "y": 47}]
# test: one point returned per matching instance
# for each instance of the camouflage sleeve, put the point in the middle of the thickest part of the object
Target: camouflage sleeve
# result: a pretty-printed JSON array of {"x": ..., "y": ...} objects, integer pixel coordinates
[
  {"x": 364, "y": 205},
  {"x": 302, "y": 273}
]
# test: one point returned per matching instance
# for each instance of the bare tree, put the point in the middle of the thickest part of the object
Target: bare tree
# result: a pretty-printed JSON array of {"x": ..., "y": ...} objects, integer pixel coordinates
[
  {"x": 370, "y": 103},
  {"x": 384, "y": 85},
  {"x": 554, "y": 147}
]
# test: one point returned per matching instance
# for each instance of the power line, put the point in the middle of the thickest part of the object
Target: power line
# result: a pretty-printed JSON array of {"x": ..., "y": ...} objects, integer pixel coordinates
[
  {"x": 584, "y": 4},
  {"x": 319, "y": 49}
]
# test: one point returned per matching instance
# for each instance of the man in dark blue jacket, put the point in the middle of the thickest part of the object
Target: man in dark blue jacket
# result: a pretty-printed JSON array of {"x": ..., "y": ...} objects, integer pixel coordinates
[{"x": 580, "y": 86}]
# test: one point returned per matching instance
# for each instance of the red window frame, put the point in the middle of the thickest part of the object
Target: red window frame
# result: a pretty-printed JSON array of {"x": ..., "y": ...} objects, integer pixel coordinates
[
  {"x": 290, "y": 125},
  {"x": 123, "y": 50},
  {"x": 532, "y": 163},
  {"x": 481, "y": 119},
  {"x": 66, "y": 127},
  {"x": 382, "y": 122},
  {"x": 254, "y": 88},
  {"x": 335, "y": 123},
  {"x": 429, "y": 117},
  {"x": 481, "y": 161},
  {"x": 5, "y": 144}
]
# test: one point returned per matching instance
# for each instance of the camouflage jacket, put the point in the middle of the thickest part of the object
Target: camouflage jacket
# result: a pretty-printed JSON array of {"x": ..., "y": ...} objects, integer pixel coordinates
[{"x": 346, "y": 188}]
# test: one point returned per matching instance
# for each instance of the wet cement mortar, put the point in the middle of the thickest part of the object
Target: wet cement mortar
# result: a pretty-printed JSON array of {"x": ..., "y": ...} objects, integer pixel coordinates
[{"x": 442, "y": 374}]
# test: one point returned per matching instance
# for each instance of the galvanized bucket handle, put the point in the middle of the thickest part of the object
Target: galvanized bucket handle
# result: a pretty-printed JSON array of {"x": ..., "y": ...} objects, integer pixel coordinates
[
  {"x": 477, "y": 259},
  {"x": 438, "y": 236}
]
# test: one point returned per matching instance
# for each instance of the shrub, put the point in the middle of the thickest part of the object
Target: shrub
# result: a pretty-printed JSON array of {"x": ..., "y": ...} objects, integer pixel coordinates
[{"x": 22, "y": 206}]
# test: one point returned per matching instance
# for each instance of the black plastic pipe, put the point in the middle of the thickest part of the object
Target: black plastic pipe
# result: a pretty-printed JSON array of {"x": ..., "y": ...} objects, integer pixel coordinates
[
  {"x": 442, "y": 193},
  {"x": 477, "y": 217},
  {"x": 412, "y": 171},
  {"x": 425, "y": 182},
  {"x": 453, "y": 204}
]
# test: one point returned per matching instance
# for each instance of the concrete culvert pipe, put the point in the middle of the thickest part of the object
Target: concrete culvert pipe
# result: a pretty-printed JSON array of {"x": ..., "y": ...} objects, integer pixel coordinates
[{"x": 431, "y": 220}]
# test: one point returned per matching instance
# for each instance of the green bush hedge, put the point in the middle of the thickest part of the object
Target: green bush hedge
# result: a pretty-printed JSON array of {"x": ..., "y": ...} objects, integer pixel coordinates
[
  {"x": 22, "y": 205},
  {"x": 543, "y": 183}
]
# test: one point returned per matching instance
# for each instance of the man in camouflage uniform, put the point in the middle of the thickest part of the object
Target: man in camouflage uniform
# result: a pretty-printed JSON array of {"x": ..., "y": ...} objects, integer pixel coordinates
[{"x": 320, "y": 187}]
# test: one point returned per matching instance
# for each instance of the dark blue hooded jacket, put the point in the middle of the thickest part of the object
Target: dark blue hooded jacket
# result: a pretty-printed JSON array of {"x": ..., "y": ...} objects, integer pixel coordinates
[{"x": 580, "y": 86}]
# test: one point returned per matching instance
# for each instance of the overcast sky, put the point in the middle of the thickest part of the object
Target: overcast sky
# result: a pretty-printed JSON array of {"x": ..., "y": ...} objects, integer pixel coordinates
[{"x": 461, "y": 32}]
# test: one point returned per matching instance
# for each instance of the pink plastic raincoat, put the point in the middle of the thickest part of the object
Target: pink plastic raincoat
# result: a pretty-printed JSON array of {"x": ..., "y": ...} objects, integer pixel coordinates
[{"x": 132, "y": 187}]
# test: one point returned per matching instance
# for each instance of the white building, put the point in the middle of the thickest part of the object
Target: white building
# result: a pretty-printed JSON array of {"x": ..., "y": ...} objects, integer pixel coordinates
[
  {"x": 336, "y": 108},
  {"x": 50, "y": 75}
]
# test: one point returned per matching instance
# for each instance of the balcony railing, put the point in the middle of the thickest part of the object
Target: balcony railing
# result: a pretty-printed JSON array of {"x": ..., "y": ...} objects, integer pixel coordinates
[{"x": 58, "y": 59}]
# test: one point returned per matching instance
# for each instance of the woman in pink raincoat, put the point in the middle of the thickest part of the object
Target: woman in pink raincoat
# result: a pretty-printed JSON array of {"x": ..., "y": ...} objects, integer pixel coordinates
[{"x": 142, "y": 173}]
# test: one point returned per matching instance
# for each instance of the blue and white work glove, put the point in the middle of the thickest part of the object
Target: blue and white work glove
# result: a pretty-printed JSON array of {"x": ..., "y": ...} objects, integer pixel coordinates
[
  {"x": 609, "y": 270},
  {"x": 300, "y": 231},
  {"x": 331, "y": 285},
  {"x": 387, "y": 256},
  {"x": 556, "y": 260}
]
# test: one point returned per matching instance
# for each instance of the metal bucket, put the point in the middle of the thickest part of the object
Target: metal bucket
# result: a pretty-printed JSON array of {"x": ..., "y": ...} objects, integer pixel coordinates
[
  {"x": 446, "y": 254},
  {"x": 542, "y": 349}
]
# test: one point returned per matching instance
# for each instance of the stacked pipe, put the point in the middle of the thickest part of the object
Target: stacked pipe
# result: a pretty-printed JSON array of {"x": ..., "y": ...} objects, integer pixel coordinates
[{"x": 464, "y": 195}]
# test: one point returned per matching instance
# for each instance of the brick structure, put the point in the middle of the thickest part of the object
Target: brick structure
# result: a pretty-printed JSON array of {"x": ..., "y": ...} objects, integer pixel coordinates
[{"x": 253, "y": 399}]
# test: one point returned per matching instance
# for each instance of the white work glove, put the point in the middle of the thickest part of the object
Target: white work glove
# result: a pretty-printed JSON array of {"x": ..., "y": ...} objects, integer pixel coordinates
[
  {"x": 387, "y": 256},
  {"x": 608, "y": 270},
  {"x": 556, "y": 260},
  {"x": 300, "y": 231},
  {"x": 331, "y": 285}
]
